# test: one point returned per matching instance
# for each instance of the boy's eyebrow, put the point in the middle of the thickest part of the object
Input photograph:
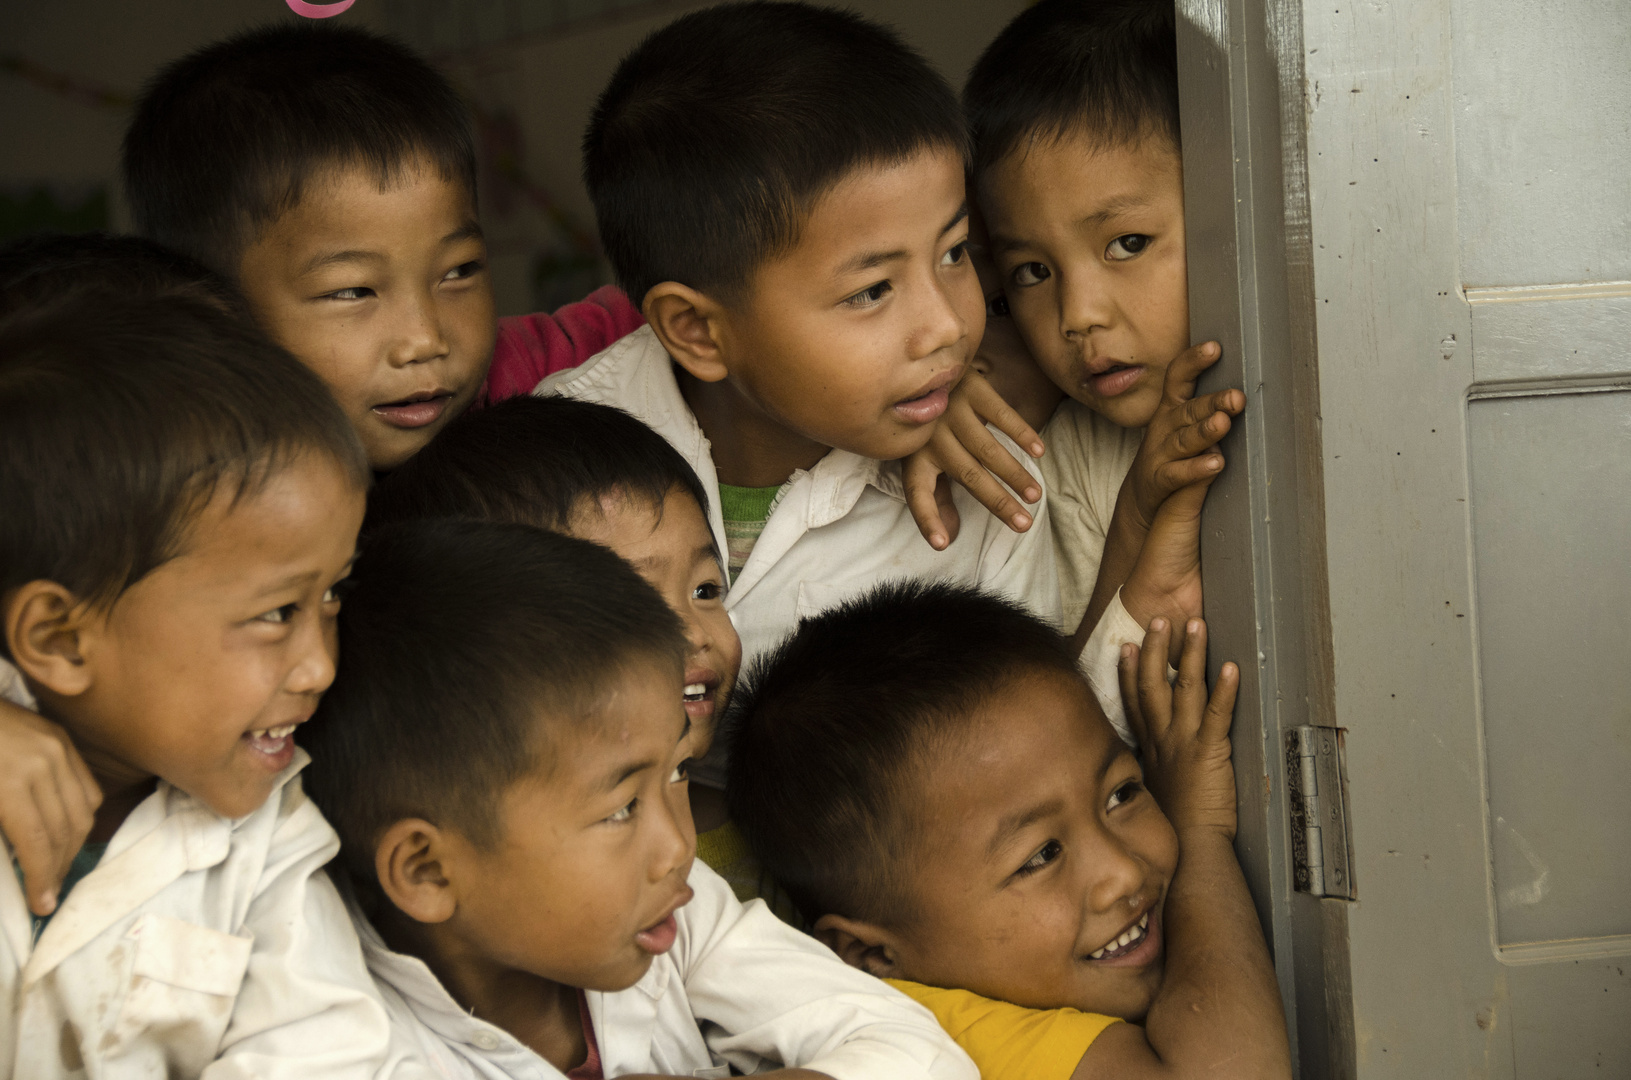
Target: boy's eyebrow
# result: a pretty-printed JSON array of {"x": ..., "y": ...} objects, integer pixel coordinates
[
  {"x": 867, "y": 260},
  {"x": 468, "y": 231},
  {"x": 1014, "y": 823},
  {"x": 1119, "y": 204},
  {"x": 614, "y": 779}
]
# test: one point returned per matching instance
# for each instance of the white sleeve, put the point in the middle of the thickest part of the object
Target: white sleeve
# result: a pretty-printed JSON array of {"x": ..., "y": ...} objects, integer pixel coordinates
[
  {"x": 1019, "y": 566},
  {"x": 1101, "y": 658},
  {"x": 308, "y": 1009},
  {"x": 775, "y": 993}
]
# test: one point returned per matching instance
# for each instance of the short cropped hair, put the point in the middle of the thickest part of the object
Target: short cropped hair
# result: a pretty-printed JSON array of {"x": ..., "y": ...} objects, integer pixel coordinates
[
  {"x": 1106, "y": 70},
  {"x": 40, "y": 271},
  {"x": 467, "y": 646},
  {"x": 718, "y": 133},
  {"x": 120, "y": 419},
  {"x": 225, "y": 140},
  {"x": 830, "y": 726},
  {"x": 534, "y": 460}
]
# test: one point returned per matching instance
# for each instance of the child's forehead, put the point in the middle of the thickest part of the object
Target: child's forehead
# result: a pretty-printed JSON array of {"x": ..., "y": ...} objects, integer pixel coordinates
[{"x": 357, "y": 199}]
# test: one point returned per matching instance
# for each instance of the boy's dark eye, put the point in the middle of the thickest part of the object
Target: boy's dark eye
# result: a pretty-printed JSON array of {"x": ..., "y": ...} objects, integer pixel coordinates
[
  {"x": 997, "y": 306},
  {"x": 464, "y": 270},
  {"x": 708, "y": 590},
  {"x": 1045, "y": 854},
  {"x": 682, "y": 771},
  {"x": 1125, "y": 793},
  {"x": 358, "y": 292},
  {"x": 1125, "y": 247},
  {"x": 1031, "y": 273},
  {"x": 955, "y": 254},
  {"x": 869, "y": 296}
]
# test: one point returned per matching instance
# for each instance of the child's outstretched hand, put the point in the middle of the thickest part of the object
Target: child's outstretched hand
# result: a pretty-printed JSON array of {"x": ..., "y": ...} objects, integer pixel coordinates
[
  {"x": 48, "y": 801},
  {"x": 1183, "y": 734},
  {"x": 963, "y": 450},
  {"x": 1178, "y": 447}
]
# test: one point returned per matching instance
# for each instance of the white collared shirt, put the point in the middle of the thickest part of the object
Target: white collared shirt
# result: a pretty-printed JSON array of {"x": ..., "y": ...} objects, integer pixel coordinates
[
  {"x": 837, "y": 529},
  {"x": 739, "y": 987},
  {"x": 199, "y": 945},
  {"x": 842, "y": 527}
]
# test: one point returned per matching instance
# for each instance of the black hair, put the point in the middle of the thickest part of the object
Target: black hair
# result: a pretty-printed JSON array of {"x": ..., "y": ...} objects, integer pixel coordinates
[
  {"x": 120, "y": 419},
  {"x": 1103, "y": 69},
  {"x": 45, "y": 269},
  {"x": 828, "y": 727},
  {"x": 459, "y": 639},
  {"x": 534, "y": 460},
  {"x": 718, "y": 132},
  {"x": 226, "y": 139}
]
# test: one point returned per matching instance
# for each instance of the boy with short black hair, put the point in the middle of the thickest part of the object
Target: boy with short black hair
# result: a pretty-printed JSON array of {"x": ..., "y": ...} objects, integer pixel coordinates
[
  {"x": 930, "y": 776},
  {"x": 181, "y": 500},
  {"x": 1077, "y": 170},
  {"x": 47, "y": 794},
  {"x": 331, "y": 174},
  {"x": 504, "y": 756},
  {"x": 780, "y": 187},
  {"x": 597, "y": 473}
]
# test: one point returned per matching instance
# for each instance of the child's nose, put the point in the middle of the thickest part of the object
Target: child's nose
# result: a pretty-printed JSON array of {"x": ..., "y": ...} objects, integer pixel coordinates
[
  {"x": 1083, "y": 306},
  {"x": 940, "y": 325},
  {"x": 676, "y": 840},
  {"x": 1120, "y": 878},
  {"x": 314, "y": 671},
  {"x": 419, "y": 336}
]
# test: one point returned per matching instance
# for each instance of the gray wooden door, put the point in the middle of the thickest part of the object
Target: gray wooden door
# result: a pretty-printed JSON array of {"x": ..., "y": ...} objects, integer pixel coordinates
[{"x": 1410, "y": 225}]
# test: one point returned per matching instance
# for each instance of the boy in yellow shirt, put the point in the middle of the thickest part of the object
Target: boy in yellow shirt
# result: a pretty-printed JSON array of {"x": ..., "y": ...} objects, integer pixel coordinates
[{"x": 930, "y": 777}]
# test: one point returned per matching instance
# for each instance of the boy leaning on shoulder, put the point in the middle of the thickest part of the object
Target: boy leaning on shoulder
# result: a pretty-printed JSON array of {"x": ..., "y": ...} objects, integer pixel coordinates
[{"x": 929, "y": 775}]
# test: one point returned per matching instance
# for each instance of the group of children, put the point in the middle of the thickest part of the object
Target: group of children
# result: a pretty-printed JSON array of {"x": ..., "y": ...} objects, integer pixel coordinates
[{"x": 509, "y": 814}]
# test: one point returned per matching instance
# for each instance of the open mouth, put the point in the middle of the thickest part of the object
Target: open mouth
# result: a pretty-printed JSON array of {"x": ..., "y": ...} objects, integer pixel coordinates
[
  {"x": 416, "y": 410},
  {"x": 1130, "y": 944},
  {"x": 930, "y": 404},
  {"x": 659, "y": 937},
  {"x": 275, "y": 744},
  {"x": 700, "y": 693}
]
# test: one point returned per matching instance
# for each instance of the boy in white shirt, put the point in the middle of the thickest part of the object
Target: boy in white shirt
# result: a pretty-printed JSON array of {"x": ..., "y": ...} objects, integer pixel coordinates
[
  {"x": 504, "y": 755},
  {"x": 781, "y": 188},
  {"x": 181, "y": 498}
]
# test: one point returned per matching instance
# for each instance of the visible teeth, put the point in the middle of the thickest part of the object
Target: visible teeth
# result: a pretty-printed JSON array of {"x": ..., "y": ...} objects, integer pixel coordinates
[
  {"x": 1097, "y": 955},
  {"x": 1144, "y": 923},
  {"x": 274, "y": 732},
  {"x": 1121, "y": 942},
  {"x": 1126, "y": 939},
  {"x": 695, "y": 691}
]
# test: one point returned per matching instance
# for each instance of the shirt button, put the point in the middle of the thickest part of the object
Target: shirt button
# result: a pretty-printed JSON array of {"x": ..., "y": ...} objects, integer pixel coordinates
[{"x": 486, "y": 1040}]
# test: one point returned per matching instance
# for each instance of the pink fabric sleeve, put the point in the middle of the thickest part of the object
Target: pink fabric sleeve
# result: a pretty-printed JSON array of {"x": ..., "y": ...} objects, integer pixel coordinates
[{"x": 531, "y": 347}]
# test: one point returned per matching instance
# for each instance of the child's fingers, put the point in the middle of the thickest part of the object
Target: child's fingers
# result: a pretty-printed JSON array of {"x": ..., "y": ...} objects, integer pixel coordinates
[
  {"x": 1220, "y": 709},
  {"x": 924, "y": 484},
  {"x": 37, "y": 841},
  {"x": 965, "y": 469},
  {"x": 1174, "y": 476},
  {"x": 974, "y": 437},
  {"x": 1189, "y": 695},
  {"x": 990, "y": 407},
  {"x": 1127, "y": 674},
  {"x": 1154, "y": 695},
  {"x": 1187, "y": 367}
]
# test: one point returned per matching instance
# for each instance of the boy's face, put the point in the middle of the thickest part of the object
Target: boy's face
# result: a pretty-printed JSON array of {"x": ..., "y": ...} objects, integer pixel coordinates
[
  {"x": 855, "y": 337},
  {"x": 672, "y": 547},
  {"x": 200, "y": 671},
  {"x": 595, "y": 847},
  {"x": 1089, "y": 242},
  {"x": 1046, "y": 849},
  {"x": 386, "y": 295}
]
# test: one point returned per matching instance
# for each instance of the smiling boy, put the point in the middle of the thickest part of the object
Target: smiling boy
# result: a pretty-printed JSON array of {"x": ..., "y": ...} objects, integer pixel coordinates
[
  {"x": 182, "y": 498},
  {"x": 928, "y": 774},
  {"x": 781, "y": 188}
]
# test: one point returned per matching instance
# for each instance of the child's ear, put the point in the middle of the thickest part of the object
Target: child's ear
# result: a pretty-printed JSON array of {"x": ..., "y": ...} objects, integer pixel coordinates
[
  {"x": 408, "y": 861},
  {"x": 860, "y": 945},
  {"x": 48, "y": 631},
  {"x": 688, "y": 323}
]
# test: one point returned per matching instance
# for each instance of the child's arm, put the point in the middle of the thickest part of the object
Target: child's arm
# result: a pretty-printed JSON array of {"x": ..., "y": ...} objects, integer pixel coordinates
[
  {"x": 529, "y": 348},
  {"x": 962, "y": 450},
  {"x": 48, "y": 801},
  {"x": 1176, "y": 453},
  {"x": 1218, "y": 1012}
]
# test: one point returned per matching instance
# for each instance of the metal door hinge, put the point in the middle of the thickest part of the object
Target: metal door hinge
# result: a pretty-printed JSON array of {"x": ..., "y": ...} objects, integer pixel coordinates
[{"x": 1317, "y": 791}]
